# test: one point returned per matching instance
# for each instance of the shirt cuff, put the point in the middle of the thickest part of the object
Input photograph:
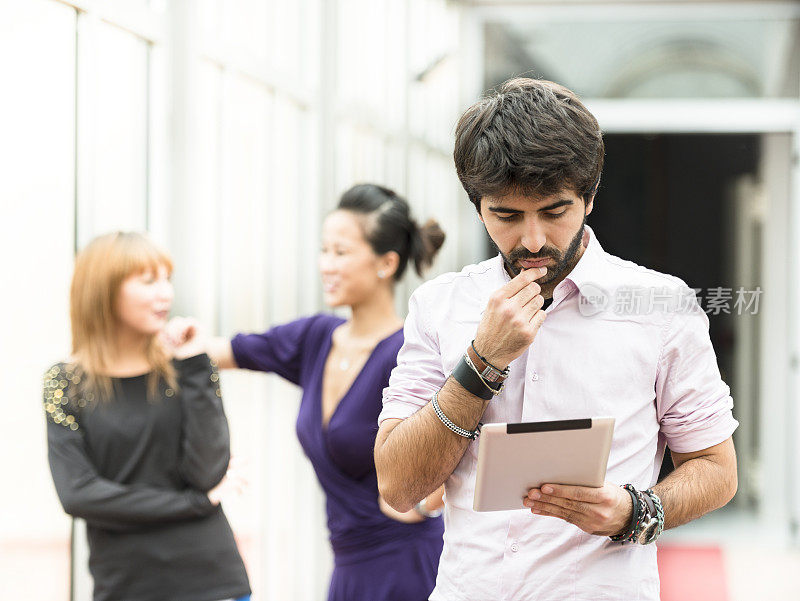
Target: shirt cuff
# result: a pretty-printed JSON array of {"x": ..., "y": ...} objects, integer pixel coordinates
[
  {"x": 240, "y": 352},
  {"x": 200, "y": 502},
  {"x": 398, "y": 410},
  {"x": 193, "y": 364}
]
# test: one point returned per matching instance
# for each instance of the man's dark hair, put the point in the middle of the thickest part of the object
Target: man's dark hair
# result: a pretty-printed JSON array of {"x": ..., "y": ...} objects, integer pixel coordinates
[{"x": 532, "y": 137}]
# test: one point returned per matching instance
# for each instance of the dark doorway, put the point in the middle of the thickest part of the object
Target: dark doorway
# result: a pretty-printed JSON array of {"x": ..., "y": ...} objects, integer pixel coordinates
[{"x": 665, "y": 202}]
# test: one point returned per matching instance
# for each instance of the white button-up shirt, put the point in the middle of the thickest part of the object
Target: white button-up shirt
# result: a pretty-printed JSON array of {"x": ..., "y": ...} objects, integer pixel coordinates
[{"x": 619, "y": 340}]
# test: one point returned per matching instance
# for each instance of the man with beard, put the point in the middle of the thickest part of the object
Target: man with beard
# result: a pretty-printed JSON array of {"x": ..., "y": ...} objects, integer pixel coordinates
[{"x": 536, "y": 319}]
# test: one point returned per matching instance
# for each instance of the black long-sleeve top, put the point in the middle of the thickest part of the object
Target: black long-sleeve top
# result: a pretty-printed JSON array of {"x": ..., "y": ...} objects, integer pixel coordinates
[{"x": 136, "y": 469}]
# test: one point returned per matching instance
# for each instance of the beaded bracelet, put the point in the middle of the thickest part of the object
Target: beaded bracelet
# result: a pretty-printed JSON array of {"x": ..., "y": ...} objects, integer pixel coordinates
[
  {"x": 422, "y": 510},
  {"x": 471, "y": 434}
]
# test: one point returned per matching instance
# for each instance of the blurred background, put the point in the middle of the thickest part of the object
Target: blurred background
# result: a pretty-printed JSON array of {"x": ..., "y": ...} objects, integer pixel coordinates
[{"x": 227, "y": 129}]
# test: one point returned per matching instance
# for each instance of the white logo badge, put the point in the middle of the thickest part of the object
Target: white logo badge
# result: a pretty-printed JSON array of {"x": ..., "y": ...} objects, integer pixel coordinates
[{"x": 592, "y": 300}]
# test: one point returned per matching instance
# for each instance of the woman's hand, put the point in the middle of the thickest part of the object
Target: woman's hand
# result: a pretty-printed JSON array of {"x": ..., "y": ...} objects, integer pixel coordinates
[
  {"x": 433, "y": 502},
  {"x": 409, "y": 517},
  {"x": 184, "y": 337},
  {"x": 232, "y": 484}
]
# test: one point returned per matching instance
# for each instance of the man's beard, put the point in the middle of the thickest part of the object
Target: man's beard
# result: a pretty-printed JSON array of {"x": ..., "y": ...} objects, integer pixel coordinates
[{"x": 563, "y": 261}]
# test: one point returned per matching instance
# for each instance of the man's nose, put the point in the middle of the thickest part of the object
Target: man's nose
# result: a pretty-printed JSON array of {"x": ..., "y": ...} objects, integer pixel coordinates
[{"x": 533, "y": 237}]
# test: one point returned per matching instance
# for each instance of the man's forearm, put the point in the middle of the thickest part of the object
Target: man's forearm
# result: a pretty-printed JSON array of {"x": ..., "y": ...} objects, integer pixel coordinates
[
  {"x": 420, "y": 453},
  {"x": 698, "y": 485}
]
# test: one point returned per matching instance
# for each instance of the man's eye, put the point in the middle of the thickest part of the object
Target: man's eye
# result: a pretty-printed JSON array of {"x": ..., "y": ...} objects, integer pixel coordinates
[
  {"x": 509, "y": 218},
  {"x": 556, "y": 215}
]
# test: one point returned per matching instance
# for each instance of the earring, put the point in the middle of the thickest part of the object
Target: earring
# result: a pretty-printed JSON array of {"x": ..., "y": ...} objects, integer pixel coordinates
[{"x": 381, "y": 274}]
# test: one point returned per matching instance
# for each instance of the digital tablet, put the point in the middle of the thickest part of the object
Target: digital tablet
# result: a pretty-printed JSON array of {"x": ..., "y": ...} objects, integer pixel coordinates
[{"x": 513, "y": 458}]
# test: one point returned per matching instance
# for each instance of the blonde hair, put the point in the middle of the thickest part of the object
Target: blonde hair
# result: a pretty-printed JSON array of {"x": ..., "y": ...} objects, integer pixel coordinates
[{"x": 100, "y": 269}]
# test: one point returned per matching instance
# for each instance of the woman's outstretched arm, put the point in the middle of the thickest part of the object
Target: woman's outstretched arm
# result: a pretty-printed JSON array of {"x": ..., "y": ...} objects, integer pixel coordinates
[
  {"x": 186, "y": 336},
  {"x": 279, "y": 350},
  {"x": 221, "y": 352}
]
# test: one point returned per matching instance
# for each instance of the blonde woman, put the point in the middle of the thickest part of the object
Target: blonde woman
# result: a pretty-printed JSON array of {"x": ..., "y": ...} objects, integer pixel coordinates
[{"x": 137, "y": 439}]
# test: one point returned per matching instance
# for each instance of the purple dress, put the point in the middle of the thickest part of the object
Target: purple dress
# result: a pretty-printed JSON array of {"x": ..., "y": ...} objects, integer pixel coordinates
[{"x": 376, "y": 558}]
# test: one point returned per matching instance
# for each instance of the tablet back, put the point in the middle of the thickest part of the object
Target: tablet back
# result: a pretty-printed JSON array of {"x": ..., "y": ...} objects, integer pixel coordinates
[{"x": 513, "y": 458}]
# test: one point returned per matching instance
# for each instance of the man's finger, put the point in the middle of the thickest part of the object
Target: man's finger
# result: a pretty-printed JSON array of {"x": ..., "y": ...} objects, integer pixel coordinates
[
  {"x": 533, "y": 305},
  {"x": 555, "y": 511},
  {"x": 547, "y": 515},
  {"x": 585, "y": 494},
  {"x": 537, "y": 319},
  {"x": 569, "y": 504},
  {"x": 527, "y": 294},
  {"x": 522, "y": 279}
]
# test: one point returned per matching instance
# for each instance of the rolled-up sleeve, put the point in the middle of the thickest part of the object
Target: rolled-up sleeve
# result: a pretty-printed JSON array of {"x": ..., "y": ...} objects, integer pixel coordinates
[
  {"x": 418, "y": 373},
  {"x": 694, "y": 405}
]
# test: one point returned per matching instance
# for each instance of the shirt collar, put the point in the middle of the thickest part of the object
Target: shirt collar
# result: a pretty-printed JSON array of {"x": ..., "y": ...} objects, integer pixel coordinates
[{"x": 591, "y": 269}]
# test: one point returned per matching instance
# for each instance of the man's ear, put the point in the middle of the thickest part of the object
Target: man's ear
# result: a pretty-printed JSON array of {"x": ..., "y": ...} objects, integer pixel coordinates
[
  {"x": 591, "y": 195},
  {"x": 590, "y": 204}
]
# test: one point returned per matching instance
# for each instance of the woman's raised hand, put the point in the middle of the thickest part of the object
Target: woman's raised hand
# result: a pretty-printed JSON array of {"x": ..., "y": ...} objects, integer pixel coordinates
[{"x": 184, "y": 337}]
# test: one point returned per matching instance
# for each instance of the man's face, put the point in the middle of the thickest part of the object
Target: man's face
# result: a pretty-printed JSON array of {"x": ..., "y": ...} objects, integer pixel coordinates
[{"x": 537, "y": 231}]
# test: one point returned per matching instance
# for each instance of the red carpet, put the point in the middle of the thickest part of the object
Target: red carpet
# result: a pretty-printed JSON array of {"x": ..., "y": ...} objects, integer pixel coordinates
[{"x": 692, "y": 573}]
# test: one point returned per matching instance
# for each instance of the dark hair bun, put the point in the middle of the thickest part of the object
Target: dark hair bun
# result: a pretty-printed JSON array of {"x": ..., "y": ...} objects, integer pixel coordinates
[
  {"x": 431, "y": 237},
  {"x": 390, "y": 227}
]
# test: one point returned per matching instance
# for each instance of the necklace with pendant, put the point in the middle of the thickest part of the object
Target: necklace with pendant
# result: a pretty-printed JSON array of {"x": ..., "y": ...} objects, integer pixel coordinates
[{"x": 346, "y": 363}]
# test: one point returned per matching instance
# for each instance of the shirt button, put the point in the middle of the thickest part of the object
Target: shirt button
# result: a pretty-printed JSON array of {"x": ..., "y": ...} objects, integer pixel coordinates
[
  {"x": 534, "y": 377},
  {"x": 514, "y": 548}
]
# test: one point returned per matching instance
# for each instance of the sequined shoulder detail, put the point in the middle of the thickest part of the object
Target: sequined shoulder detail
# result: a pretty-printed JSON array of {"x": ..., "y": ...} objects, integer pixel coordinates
[
  {"x": 214, "y": 377},
  {"x": 56, "y": 399}
]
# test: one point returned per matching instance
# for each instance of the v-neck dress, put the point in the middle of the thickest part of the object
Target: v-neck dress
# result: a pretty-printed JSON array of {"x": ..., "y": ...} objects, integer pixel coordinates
[{"x": 376, "y": 558}]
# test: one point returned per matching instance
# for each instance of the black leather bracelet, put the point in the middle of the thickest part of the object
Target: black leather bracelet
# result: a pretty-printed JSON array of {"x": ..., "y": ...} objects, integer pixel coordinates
[
  {"x": 471, "y": 381},
  {"x": 626, "y": 534}
]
